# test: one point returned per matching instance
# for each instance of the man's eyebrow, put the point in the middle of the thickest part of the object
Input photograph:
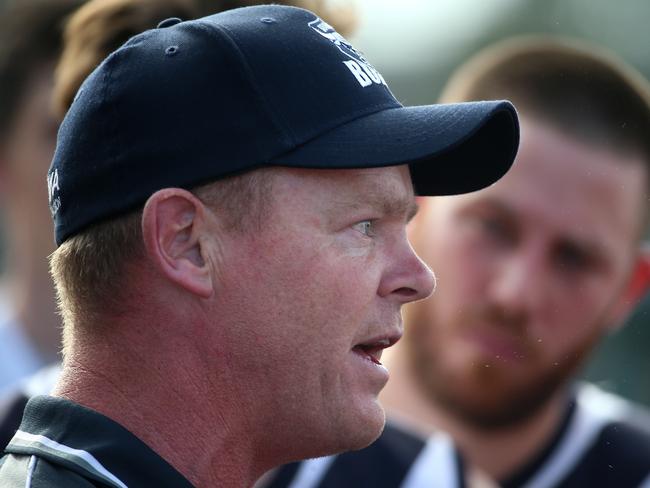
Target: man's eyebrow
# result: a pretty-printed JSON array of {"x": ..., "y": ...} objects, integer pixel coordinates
[
  {"x": 386, "y": 203},
  {"x": 590, "y": 246}
]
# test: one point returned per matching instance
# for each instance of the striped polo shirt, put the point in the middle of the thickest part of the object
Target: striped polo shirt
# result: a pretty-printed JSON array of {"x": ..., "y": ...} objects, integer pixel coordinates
[
  {"x": 62, "y": 444},
  {"x": 602, "y": 441}
]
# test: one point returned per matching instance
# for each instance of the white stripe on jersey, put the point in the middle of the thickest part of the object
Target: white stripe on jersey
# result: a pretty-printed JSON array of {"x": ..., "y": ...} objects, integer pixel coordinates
[
  {"x": 81, "y": 458},
  {"x": 645, "y": 483},
  {"x": 594, "y": 409},
  {"x": 434, "y": 466},
  {"x": 30, "y": 472},
  {"x": 311, "y": 472}
]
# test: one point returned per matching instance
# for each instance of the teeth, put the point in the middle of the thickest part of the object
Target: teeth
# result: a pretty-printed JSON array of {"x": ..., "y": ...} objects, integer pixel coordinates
[
  {"x": 381, "y": 343},
  {"x": 376, "y": 345}
]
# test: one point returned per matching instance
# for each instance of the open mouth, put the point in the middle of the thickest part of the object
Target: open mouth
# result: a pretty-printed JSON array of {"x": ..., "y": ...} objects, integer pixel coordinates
[{"x": 372, "y": 350}]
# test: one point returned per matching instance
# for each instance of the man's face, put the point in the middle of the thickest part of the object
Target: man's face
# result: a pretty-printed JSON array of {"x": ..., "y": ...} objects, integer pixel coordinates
[
  {"x": 530, "y": 271},
  {"x": 312, "y": 297},
  {"x": 25, "y": 156}
]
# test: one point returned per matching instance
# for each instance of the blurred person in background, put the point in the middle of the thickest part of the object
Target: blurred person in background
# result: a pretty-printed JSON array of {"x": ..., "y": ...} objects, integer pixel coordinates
[
  {"x": 30, "y": 43},
  {"x": 532, "y": 272},
  {"x": 34, "y": 33}
]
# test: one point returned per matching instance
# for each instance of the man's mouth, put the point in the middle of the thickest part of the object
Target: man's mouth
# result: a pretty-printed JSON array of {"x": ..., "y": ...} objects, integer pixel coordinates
[
  {"x": 372, "y": 350},
  {"x": 499, "y": 344}
]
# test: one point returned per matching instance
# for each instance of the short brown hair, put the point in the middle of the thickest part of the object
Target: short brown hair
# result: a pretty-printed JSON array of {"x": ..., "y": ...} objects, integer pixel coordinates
[
  {"x": 90, "y": 268},
  {"x": 581, "y": 89}
]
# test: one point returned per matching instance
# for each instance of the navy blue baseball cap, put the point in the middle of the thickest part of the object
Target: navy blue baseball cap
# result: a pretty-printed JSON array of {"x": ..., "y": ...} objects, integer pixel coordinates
[{"x": 193, "y": 102}]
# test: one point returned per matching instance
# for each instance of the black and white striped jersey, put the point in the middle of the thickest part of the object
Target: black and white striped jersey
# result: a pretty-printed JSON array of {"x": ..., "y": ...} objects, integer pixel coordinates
[
  {"x": 603, "y": 441},
  {"x": 65, "y": 445}
]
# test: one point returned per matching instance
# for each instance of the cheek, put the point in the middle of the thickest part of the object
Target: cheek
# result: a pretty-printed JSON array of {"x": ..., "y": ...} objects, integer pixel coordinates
[
  {"x": 463, "y": 271},
  {"x": 312, "y": 300},
  {"x": 336, "y": 291},
  {"x": 576, "y": 313}
]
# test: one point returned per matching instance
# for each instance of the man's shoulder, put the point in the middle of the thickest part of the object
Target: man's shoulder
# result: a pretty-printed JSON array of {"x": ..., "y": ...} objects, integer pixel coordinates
[
  {"x": 23, "y": 470},
  {"x": 625, "y": 425},
  {"x": 616, "y": 447},
  {"x": 60, "y": 438},
  {"x": 609, "y": 410}
]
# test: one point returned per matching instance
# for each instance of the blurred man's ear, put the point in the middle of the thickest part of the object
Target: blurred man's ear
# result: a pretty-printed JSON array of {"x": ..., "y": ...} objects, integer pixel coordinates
[{"x": 638, "y": 285}]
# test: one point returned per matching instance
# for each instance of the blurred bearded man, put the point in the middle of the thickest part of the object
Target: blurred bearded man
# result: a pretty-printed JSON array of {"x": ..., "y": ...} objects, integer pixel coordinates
[{"x": 533, "y": 272}]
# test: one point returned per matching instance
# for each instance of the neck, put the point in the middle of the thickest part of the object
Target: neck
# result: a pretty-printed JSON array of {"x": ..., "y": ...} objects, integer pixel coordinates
[
  {"x": 169, "y": 405},
  {"x": 498, "y": 452}
]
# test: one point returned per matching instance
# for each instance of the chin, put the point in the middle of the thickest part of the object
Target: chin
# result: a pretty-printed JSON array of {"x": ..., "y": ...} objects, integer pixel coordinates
[
  {"x": 358, "y": 430},
  {"x": 366, "y": 429}
]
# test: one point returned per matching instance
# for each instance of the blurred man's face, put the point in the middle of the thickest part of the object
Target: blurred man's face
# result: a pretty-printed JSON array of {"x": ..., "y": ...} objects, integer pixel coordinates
[
  {"x": 24, "y": 158},
  {"x": 529, "y": 270},
  {"x": 313, "y": 296}
]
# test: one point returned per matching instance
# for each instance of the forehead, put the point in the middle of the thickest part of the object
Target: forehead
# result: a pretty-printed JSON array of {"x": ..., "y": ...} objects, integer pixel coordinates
[
  {"x": 348, "y": 187},
  {"x": 568, "y": 187}
]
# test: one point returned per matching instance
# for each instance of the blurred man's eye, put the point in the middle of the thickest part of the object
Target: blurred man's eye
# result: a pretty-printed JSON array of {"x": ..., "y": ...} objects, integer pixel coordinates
[
  {"x": 571, "y": 258},
  {"x": 496, "y": 228}
]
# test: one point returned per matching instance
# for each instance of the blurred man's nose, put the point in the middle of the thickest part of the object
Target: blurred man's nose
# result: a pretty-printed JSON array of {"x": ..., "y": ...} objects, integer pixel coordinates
[{"x": 518, "y": 281}]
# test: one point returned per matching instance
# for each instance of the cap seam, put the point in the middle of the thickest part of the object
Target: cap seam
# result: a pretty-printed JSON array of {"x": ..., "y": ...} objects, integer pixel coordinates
[{"x": 268, "y": 106}]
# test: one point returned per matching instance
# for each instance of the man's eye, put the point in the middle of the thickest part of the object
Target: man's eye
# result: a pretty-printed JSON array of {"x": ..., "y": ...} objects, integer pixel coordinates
[
  {"x": 496, "y": 229},
  {"x": 570, "y": 258},
  {"x": 365, "y": 227}
]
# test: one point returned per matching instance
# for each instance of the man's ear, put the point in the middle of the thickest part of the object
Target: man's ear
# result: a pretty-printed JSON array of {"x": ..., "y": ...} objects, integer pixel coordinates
[
  {"x": 637, "y": 286},
  {"x": 173, "y": 226}
]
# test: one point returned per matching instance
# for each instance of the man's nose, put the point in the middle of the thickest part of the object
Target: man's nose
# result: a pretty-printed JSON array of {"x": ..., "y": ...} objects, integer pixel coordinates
[
  {"x": 408, "y": 278},
  {"x": 517, "y": 286}
]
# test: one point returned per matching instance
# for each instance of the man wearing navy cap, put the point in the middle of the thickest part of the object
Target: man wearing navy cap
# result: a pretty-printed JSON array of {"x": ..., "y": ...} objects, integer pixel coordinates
[{"x": 230, "y": 198}]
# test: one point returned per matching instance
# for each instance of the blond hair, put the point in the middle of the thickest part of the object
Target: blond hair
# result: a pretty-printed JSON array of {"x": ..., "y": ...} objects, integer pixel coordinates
[{"x": 91, "y": 269}]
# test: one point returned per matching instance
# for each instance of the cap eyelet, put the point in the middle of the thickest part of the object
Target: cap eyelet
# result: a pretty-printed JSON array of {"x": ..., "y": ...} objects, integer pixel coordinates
[
  {"x": 268, "y": 20},
  {"x": 168, "y": 22},
  {"x": 171, "y": 50}
]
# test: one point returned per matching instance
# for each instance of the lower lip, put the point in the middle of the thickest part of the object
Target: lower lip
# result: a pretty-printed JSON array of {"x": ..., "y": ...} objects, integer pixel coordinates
[
  {"x": 372, "y": 363},
  {"x": 497, "y": 346}
]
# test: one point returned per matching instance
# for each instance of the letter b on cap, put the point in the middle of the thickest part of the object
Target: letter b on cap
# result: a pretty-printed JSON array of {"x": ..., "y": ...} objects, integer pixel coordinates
[
  {"x": 365, "y": 74},
  {"x": 361, "y": 76}
]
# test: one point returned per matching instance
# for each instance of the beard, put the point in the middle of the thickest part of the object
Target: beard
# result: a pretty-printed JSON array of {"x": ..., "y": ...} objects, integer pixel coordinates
[{"x": 491, "y": 393}]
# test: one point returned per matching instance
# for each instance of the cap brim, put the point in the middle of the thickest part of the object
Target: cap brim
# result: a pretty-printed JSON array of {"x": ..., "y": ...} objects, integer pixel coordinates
[{"x": 450, "y": 148}]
